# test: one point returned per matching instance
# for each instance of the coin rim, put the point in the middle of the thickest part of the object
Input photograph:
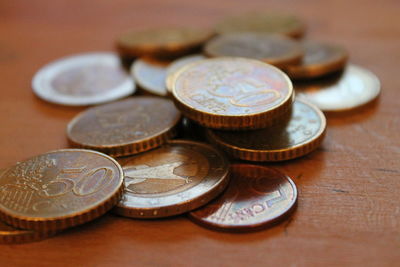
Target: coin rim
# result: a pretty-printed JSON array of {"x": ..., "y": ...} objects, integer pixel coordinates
[{"x": 134, "y": 73}]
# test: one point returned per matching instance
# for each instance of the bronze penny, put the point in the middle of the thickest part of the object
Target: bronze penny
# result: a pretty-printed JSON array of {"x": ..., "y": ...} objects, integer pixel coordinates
[
  {"x": 59, "y": 189},
  {"x": 319, "y": 59},
  {"x": 262, "y": 22},
  {"x": 125, "y": 127},
  {"x": 173, "y": 179},
  {"x": 232, "y": 93},
  {"x": 277, "y": 50},
  {"x": 256, "y": 197},
  {"x": 150, "y": 75},
  {"x": 302, "y": 134}
]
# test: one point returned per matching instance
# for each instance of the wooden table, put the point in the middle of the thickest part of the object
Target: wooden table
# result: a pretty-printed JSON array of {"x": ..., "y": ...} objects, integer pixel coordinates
[{"x": 349, "y": 201}]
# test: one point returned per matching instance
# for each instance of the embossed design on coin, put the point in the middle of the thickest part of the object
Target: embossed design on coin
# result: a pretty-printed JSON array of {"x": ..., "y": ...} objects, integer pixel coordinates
[
  {"x": 125, "y": 127},
  {"x": 302, "y": 134},
  {"x": 355, "y": 87},
  {"x": 256, "y": 197},
  {"x": 173, "y": 179},
  {"x": 84, "y": 79},
  {"x": 232, "y": 93},
  {"x": 59, "y": 189},
  {"x": 150, "y": 76}
]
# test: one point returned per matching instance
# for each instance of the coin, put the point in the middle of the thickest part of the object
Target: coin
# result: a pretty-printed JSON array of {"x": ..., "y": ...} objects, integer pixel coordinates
[
  {"x": 59, "y": 189},
  {"x": 150, "y": 75},
  {"x": 256, "y": 197},
  {"x": 176, "y": 65},
  {"x": 11, "y": 235},
  {"x": 125, "y": 127},
  {"x": 232, "y": 93},
  {"x": 302, "y": 134},
  {"x": 168, "y": 42},
  {"x": 356, "y": 86},
  {"x": 277, "y": 50},
  {"x": 265, "y": 22},
  {"x": 84, "y": 79},
  {"x": 173, "y": 179},
  {"x": 319, "y": 59}
]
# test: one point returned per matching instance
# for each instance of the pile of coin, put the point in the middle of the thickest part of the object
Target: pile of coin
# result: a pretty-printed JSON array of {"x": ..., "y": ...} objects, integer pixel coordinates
[{"x": 166, "y": 151}]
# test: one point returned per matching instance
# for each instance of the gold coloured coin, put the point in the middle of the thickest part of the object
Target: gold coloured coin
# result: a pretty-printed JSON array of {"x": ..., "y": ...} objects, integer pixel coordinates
[
  {"x": 256, "y": 197},
  {"x": 262, "y": 22},
  {"x": 276, "y": 50},
  {"x": 319, "y": 59},
  {"x": 169, "y": 42},
  {"x": 59, "y": 189},
  {"x": 150, "y": 75},
  {"x": 355, "y": 87},
  {"x": 125, "y": 127},
  {"x": 232, "y": 93},
  {"x": 173, "y": 179},
  {"x": 302, "y": 134}
]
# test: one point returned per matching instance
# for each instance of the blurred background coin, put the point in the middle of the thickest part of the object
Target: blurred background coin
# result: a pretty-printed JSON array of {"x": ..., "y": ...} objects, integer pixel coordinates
[
  {"x": 150, "y": 75},
  {"x": 83, "y": 79}
]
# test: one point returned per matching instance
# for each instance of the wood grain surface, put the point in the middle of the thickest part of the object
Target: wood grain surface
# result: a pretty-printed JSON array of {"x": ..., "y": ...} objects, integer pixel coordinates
[{"x": 349, "y": 190}]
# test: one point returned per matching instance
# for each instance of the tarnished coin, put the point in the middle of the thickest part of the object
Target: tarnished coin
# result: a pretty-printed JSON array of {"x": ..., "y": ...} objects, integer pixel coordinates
[
  {"x": 355, "y": 87},
  {"x": 262, "y": 22},
  {"x": 232, "y": 93},
  {"x": 256, "y": 197},
  {"x": 125, "y": 127},
  {"x": 173, "y": 179},
  {"x": 59, "y": 189},
  {"x": 319, "y": 59},
  {"x": 11, "y": 235},
  {"x": 176, "y": 65},
  {"x": 276, "y": 50},
  {"x": 302, "y": 134},
  {"x": 84, "y": 79},
  {"x": 169, "y": 42},
  {"x": 150, "y": 75}
]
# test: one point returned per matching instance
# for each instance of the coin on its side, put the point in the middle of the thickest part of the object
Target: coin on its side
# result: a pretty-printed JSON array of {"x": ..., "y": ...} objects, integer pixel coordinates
[
  {"x": 276, "y": 50},
  {"x": 319, "y": 59},
  {"x": 232, "y": 93},
  {"x": 173, "y": 179},
  {"x": 84, "y": 79},
  {"x": 302, "y": 134},
  {"x": 265, "y": 22},
  {"x": 256, "y": 197},
  {"x": 150, "y": 75},
  {"x": 355, "y": 87},
  {"x": 59, "y": 189},
  {"x": 163, "y": 43},
  {"x": 125, "y": 127}
]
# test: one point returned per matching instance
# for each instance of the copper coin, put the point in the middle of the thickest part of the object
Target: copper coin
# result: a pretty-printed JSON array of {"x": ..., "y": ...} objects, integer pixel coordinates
[
  {"x": 319, "y": 59},
  {"x": 150, "y": 75},
  {"x": 355, "y": 87},
  {"x": 168, "y": 42},
  {"x": 302, "y": 134},
  {"x": 84, "y": 79},
  {"x": 232, "y": 93},
  {"x": 59, "y": 189},
  {"x": 11, "y": 235},
  {"x": 173, "y": 179},
  {"x": 277, "y": 50},
  {"x": 125, "y": 127},
  {"x": 256, "y": 197},
  {"x": 265, "y": 22}
]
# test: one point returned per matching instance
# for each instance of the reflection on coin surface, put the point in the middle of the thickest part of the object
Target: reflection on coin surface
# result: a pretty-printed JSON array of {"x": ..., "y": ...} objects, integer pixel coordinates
[
  {"x": 302, "y": 134},
  {"x": 150, "y": 76},
  {"x": 262, "y": 22},
  {"x": 176, "y": 65},
  {"x": 125, "y": 127},
  {"x": 319, "y": 59},
  {"x": 356, "y": 87},
  {"x": 232, "y": 93},
  {"x": 59, "y": 189},
  {"x": 256, "y": 197},
  {"x": 84, "y": 79},
  {"x": 162, "y": 42},
  {"x": 175, "y": 178},
  {"x": 11, "y": 235},
  {"x": 277, "y": 50}
]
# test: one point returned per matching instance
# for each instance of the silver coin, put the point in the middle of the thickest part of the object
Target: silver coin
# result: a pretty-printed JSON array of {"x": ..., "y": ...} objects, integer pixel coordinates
[{"x": 150, "y": 76}]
